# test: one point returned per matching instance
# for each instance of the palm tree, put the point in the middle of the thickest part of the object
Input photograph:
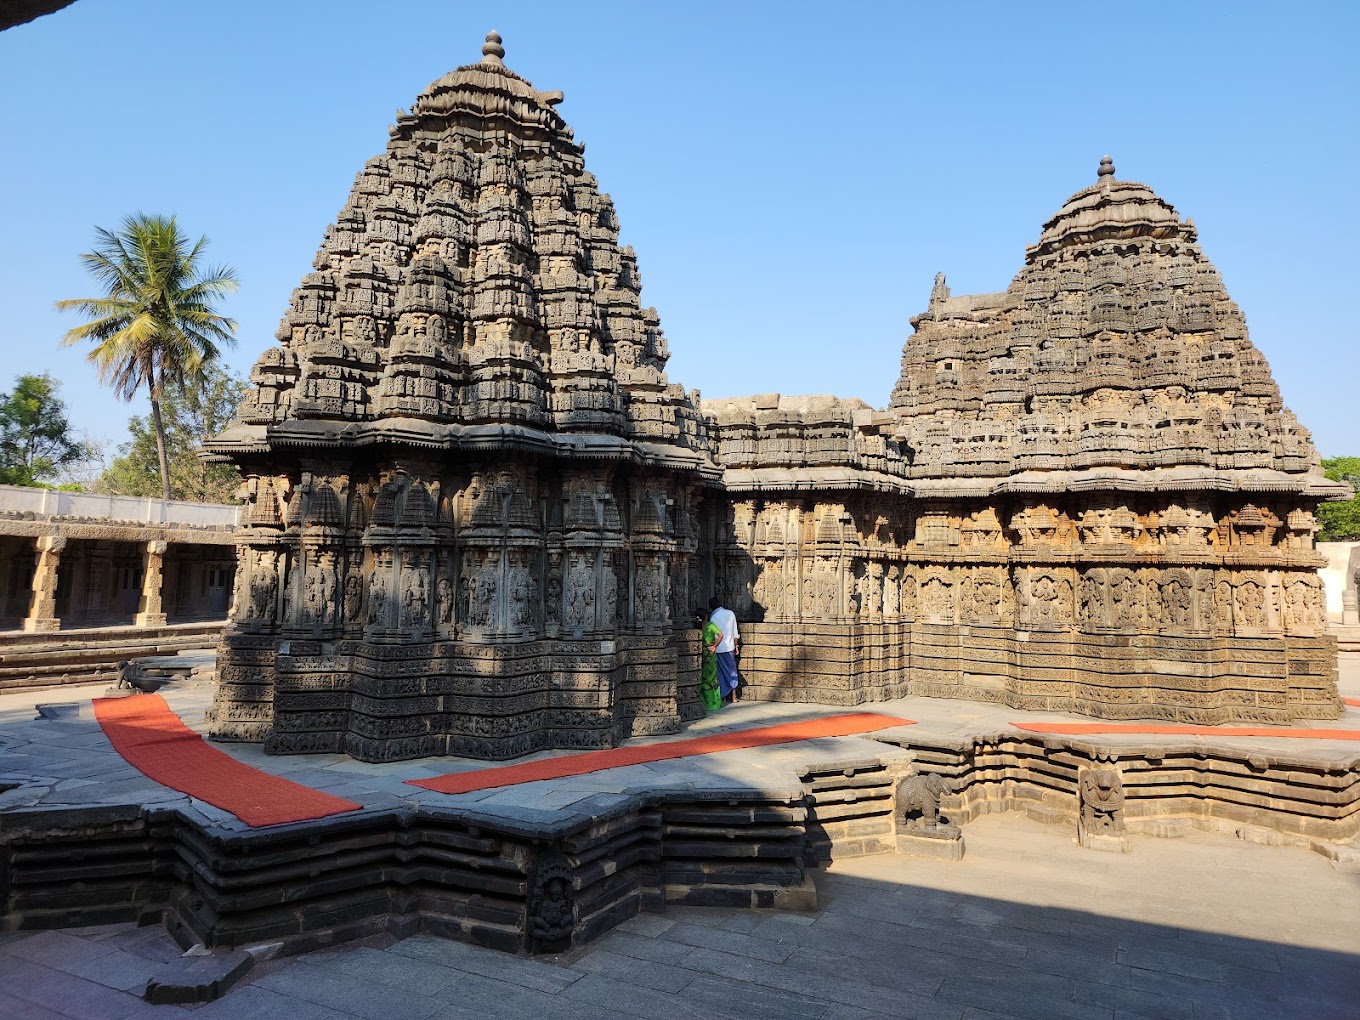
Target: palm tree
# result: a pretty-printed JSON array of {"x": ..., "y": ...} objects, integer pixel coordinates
[{"x": 155, "y": 325}]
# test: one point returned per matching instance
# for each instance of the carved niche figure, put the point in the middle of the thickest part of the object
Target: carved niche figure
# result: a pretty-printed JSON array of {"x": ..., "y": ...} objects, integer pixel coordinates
[
  {"x": 354, "y": 596},
  {"x": 609, "y": 598},
  {"x": 1090, "y": 598},
  {"x": 377, "y": 597},
  {"x": 1305, "y": 603},
  {"x": 551, "y": 906},
  {"x": 1125, "y": 599},
  {"x": 264, "y": 588},
  {"x": 918, "y": 801},
  {"x": 647, "y": 590},
  {"x": 313, "y": 605},
  {"x": 552, "y": 589},
  {"x": 415, "y": 599},
  {"x": 482, "y": 594},
  {"x": 1176, "y": 601},
  {"x": 981, "y": 597},
  {"x": 908, "y": 593},
  {"x": 937, "y": 597},
  {"x": 1102, "y": 802},
  {"x": 443, "y": 600},
  {"x": 322, "y": 594},
  {"x": 1203, "y": 600},
  {"x": 891, "y": 603},
  {"x": 580, "y": 601},
  {"x": 809, "y": 598},
  {"x": 1250, "y": 604},
  {"x": 521, "y": 593},
  {"x": 768, "y": 590},
  {"x": 1048, "y": 599},
  {"x": 291, "y": 610}
]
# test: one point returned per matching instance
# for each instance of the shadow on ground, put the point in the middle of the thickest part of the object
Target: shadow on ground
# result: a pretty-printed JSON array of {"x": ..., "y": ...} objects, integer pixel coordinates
[{"x": 1027, "y": 926}]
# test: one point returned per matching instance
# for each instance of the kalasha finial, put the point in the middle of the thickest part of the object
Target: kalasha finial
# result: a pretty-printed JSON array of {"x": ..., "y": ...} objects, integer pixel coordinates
[
  {"x": 492, "y": 50},
  {"x": 1106, "y": 164}
]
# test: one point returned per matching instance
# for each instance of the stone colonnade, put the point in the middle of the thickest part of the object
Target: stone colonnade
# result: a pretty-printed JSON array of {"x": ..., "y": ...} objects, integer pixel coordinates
[
  {"x": 67, "y": 563},
  {"x": 56, "y": 582}
]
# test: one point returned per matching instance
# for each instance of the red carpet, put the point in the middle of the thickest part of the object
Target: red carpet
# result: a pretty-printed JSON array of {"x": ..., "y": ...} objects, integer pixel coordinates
[
  {"x": 1353, "y": 702},
  {"x": 595, "y": 761},
  {"x": 153, "y": 741},
  {"x": 1188, "y": 731}
]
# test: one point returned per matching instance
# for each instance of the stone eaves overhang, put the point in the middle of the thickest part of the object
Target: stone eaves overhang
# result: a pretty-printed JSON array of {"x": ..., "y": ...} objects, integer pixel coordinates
[
  {"x": 303, "y": 436},
  {"x": 1178, "y": 480}
]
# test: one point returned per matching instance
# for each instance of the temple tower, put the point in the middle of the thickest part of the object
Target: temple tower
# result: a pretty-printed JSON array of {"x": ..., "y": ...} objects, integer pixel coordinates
[
  {"x": 471, "y": 488},
  {"x": 1085, "y": 495}
]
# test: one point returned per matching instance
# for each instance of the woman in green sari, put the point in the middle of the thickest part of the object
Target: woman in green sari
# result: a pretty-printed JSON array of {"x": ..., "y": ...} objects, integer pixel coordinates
[{"x": 710, "y": 637}]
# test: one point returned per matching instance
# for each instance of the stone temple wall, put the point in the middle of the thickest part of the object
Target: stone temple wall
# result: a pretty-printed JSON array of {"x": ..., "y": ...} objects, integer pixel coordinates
[
  {"x": 478, "y": 512},
  {"x": 487, "y": 609},
  {"x": 1084, "y": 496}
]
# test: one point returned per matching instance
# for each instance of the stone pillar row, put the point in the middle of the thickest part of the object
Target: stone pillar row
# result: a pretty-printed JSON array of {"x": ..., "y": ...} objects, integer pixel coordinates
[{"x": 42, "y": 613}]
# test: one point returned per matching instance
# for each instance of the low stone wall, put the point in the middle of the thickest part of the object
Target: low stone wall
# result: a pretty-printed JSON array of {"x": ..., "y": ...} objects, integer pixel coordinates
[
  {"x": 1306, "y": 799},
  {"x": 31, "y": 661},
  {"x": 316, "y": 883},
  {"x": 468, "y": 874},
  {"x": 1204, "y": 680}
]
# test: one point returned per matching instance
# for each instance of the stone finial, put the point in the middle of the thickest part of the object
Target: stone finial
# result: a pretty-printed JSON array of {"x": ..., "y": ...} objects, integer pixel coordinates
[
  {"x": 492, "y": 50},
  {"x": 1106, "y": 164}
]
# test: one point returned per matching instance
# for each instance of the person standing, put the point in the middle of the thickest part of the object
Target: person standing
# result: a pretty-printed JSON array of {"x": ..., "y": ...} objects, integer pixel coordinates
[
  {"x": 709, "y": 637},
  {"x": 729, "y": 680}
]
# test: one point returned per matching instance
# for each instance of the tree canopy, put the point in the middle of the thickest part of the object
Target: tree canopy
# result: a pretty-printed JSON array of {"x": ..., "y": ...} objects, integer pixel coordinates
[
  {"x": 1341, "y": 521},
  {"x": 36, "y": 441},
  {"x": 154, "y": 327},
  {"x": 200, "y": 409}
]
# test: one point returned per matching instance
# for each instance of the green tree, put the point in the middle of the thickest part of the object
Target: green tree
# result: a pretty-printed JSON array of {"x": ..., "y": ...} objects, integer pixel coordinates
[
  {"x": 202, "y": 408},
  {"x": 35, "y": 435},
  {"x": 1341, "y": 521},
  {"x": 154, "y": 327}
]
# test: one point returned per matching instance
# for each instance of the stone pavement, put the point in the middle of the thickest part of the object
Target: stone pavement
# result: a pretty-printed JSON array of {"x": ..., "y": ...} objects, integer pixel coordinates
[{"x": 1028, "y": 925}]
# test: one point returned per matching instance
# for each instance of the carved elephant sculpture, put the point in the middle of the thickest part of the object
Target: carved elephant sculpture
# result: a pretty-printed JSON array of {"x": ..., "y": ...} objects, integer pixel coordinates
[{"x": 921, "y": 793}]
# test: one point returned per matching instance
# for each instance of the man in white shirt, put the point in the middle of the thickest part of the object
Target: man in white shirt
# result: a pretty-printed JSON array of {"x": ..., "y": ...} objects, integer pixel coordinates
[{"x": 729, "y": 680}]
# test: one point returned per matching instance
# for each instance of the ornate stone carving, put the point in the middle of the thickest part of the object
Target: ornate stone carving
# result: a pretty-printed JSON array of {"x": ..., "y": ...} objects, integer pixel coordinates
[
  {"x": 918, "y": 801},
  {"x": 1100, "y": 824},
  {"x": 551, "y": 907}
]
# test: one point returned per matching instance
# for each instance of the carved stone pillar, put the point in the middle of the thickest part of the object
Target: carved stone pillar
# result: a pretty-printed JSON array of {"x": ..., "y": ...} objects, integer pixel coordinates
[
  {"x": 150, "y": 614},
  {"x": 42, "y": 610}
]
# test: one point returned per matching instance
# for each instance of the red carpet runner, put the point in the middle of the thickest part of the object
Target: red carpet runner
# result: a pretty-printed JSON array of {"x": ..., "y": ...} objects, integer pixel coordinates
[
  {"x": 1093, "y": 729},
  {"x": 152, "y": 740},
  {"x": 1353, "y": 702},
  {"x": 595, "y": 761}
]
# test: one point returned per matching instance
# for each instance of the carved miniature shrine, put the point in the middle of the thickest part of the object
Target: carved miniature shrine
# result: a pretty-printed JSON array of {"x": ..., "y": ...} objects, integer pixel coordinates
[{"x": 479, "y": 512}]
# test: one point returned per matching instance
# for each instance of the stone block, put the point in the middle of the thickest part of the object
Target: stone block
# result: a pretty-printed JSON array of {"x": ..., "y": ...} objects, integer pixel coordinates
[
  {"x": 941, "y": 847},
  {"x": 1110, "y": 843},
  {"x": 198, "y": 978}
]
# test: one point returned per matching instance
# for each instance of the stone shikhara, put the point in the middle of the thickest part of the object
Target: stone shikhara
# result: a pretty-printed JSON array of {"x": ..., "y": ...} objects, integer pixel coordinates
[{"x": 478, "y": 511}]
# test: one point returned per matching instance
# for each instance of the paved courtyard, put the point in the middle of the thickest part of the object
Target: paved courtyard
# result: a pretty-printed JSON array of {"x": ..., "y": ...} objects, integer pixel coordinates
[{"x": 1027, "y": 925}]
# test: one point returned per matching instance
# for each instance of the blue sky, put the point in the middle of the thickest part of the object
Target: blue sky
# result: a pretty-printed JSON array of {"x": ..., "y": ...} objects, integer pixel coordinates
[{"x": 791, "y": 175}]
